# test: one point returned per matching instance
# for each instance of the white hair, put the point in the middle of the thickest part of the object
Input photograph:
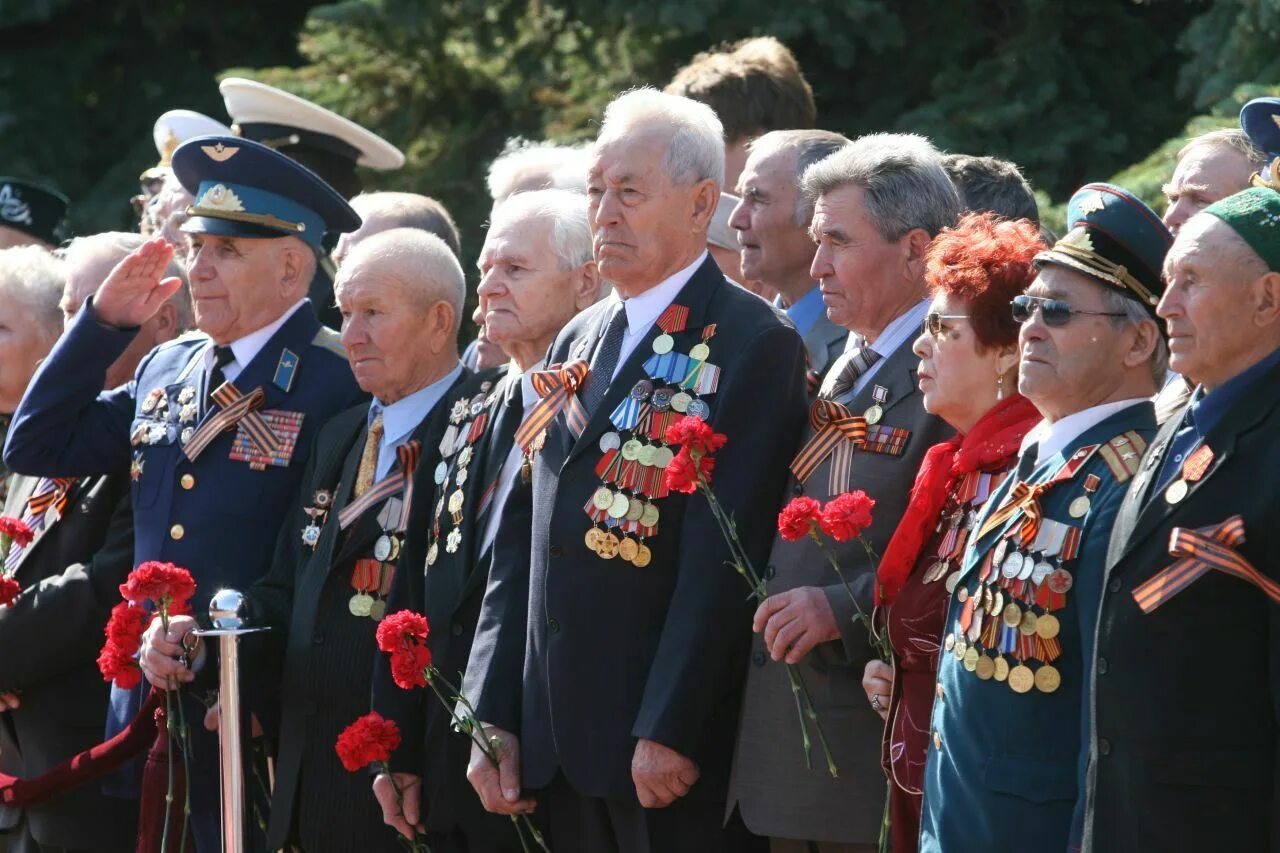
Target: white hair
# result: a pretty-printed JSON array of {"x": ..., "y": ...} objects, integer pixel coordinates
[
  {"x": 567, "y": 213},
  {"x": 33, "y": 275},
  {"x": 525, "y": 165},
  {"x": 422, "y": 262},
  {"x": 117, "y": 245},
  {"x": 696, "y": 149},
  {"x": 1113, "y": 301}
]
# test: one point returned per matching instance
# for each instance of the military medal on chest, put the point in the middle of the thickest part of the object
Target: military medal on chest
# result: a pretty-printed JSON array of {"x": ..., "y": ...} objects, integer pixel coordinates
[
  {"x": 1193, "y": 469},
  {"x": 958, "y": 519},
  {"x": 468, "y": 420},
  {"x": 318, "y": 512}
]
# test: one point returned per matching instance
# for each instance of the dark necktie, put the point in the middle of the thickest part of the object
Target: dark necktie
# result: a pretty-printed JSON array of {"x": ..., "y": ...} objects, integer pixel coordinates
[
  {"x": 857, "y": 362},
  {"x": 222, "y": 356},
  {"x": 605, "y": 360}
]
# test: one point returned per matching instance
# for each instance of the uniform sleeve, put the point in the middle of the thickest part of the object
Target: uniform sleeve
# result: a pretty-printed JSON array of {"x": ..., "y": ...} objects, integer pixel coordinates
[
  {"x": 704, "y": 641},
  {"x": 66, "y": 425}
]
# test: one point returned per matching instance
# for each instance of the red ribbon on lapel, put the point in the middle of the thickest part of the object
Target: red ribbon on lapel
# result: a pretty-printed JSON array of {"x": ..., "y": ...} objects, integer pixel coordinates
[
  {"x": 558, "y": 387},
  {"x": 1212, "y": 547},
  {"x": 836, "y": 431}
]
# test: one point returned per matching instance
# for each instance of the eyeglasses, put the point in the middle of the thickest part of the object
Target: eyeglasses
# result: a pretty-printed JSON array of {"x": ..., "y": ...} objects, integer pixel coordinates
[
  {"x": 933, "y": 322},
  {"x": 1055, "y": 312}
]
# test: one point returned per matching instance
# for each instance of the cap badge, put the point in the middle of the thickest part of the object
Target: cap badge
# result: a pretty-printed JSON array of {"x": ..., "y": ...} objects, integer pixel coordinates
[
  {"x": 1079, "y": 238},
  {"x": 12, "y": 207},
  {"x": 219, "y": 152},
  {"x": 1093, "y": 204},
  {"x": 220, "y": 197}
]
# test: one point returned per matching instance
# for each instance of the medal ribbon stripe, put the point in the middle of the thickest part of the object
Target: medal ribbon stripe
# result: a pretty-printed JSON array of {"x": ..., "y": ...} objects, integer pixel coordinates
[
  {"x": 252, "y": 423},
  {"x": 557, "y": 387},
  {"x": 235, "y": 407},
  {"x": 834, "y": 426},
  {"x": 409, "y": 454},
  {"x": 891, "y": 441},
  {"x": 1200, "y": 550},
  {"x": 54, "y": 495}
]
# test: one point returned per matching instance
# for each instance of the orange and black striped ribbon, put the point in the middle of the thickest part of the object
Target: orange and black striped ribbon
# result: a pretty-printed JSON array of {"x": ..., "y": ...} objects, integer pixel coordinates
[
  {"x": 409, "y": 454},
  {"x": 837, "y": 433},
  {"x": 1200, "y": 550},
  {"x": 1024, "y": 498},
  {"x": 55, "y": 497},
  {"x": 235, "y": 408},
  {"x": 558, "y": 387}
]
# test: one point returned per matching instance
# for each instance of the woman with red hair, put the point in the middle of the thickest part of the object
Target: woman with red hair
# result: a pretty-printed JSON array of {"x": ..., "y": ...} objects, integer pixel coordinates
[{"x": 968, "y": 377}]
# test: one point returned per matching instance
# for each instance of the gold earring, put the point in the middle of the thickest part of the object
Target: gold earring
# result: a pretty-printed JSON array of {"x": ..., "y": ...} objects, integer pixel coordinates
[{"x": 999, "y": 386}]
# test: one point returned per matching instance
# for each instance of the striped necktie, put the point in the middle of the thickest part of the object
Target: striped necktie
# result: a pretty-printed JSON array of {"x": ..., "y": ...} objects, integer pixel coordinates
[{"x": 857, "y": 362}]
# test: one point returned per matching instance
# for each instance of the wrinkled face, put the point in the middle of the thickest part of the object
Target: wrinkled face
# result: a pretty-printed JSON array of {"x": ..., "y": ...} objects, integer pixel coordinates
[
  {"x": 642, "y": 222},
  {"x": 1205, "y": 300},
  {"x": 774, "y": 247},
  {"x": 860, "y": 272},
  {"x": 234, "y": 284},
  {"x": 1062, "y": 368},
  {"x": 526, "y": 294},
  {"x": 385, "y": 330},
  {"x": 23, "y": 344},
  {"x": 1205, "y": 174},
  {"x": 957, "y": 377}
]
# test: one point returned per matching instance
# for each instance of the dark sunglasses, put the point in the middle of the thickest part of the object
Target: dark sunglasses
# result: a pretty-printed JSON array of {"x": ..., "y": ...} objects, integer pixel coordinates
[
  {"x": 1055, "y": 312},
  {"x": 933, "y": 322}
]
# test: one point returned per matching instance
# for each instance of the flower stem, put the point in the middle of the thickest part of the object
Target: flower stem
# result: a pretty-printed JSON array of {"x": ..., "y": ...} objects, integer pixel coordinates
[{"x": 877, "y": 642}]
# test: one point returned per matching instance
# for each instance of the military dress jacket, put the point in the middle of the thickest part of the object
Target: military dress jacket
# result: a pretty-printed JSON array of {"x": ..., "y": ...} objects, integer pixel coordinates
[
  {"x": 70, "y": 574},
  {"x": 777, "y": 795},
  {"x": 1006, "y": 760},
  {"x": 1186, "y": 697},
  {"x": 613, "y": 651}
]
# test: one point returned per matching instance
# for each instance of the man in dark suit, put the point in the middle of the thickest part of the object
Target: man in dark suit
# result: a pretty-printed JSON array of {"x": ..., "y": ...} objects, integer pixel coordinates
[
  {"x": 772, "y": 221},
  {"x": 1185, "y": 751},
  {"x": 878, "y": 292},
  {"x": 609, "y": 664},
  {"x": 531, "y": 285},
  {"x": 215, "y": 429},
  {"x": 70, "y": 574}
]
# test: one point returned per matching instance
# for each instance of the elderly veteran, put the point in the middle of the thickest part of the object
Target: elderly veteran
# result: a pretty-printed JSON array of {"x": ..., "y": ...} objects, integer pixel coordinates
[
  {"x": 205, "y": 490},
  {"x": 878, "y": 204},
  {"x": 772, "y": 220},
  {"x": 1193, "y": 580},
  {"x": 70, "y": 576},
  {"x": 1007, "y": 752},
  {"x": 382, "y": 211},
  {"x": 621, "y": 722},
  {"x": 968, "y": 376},
  {"x": 537, "y": 272}
]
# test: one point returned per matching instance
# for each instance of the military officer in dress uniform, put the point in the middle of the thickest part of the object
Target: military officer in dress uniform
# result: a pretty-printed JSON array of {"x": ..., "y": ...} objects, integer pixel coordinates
[
  {"x": 1185, "y": 687},
  {"x": 31, "y": 214},
  {"x": 215, "y": 429},
  {"x": 323, "y": 141},
  {"x": 1009, "y": 724},
  {"x": 531, "y": 284},
  {"x": 169, "y": 131},
  {"x": 609, "y": 663}
]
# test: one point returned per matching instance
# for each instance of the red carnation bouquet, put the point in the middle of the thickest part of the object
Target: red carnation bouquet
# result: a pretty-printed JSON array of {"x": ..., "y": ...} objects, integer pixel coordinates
[
  {"x": 370, "y": 740},
  {"x": 12, "y": 530},
  {"x": 690, "y": 471},
  {"x": 403, "y": 635}
]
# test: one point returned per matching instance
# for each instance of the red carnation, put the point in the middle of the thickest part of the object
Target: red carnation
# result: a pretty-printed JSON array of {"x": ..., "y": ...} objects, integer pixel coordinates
[
  {"x": 695, "y": 434},
  {"x": 124, "y": 637},
  {"x": 846, "y": 516},
  {"x": 370, "y": 738},
  {"x": 395, "y": 630},
  {"x": 16, "y": 529},
  {"x": 403, "y": 635},
  {"x": 9, "y": 589},
  {"x": 409, "y": 666},
  {"x": 798, "y": 517},
  {"x": 160, "y": 583},
  {"x": 682, "y": 474}
]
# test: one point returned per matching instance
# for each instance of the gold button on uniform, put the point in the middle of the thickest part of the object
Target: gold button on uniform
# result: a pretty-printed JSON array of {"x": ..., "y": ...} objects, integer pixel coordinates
[
  {"x": 188, "y": 481},
  {"x": 177, "y": 532}
]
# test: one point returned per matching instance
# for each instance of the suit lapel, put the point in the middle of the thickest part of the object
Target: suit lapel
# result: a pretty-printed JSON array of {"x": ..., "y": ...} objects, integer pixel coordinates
[{"x": 825, "y": 341}]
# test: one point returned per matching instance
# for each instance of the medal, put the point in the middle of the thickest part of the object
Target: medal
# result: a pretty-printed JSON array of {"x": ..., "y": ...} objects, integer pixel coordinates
[
  {"x": 592, "y": 538},
  {"x": 311, "y": 535},
  {"x": 1177, "y": 491},
  {"x": 631, "y": 450},
  {"x": 461, "y": 477},
  {"x": 1060, "y": 581},
  {"x": 361, "y": 604},
  {"x": 961, "y": 647},
  {"x": 649, "y": 517},
  {"x": 643, "y": 556},
  {"x": 610, "y": 441},
  {"x": 1047, "y": 626},
  {"x": 628, "y": 549},
  {"x": 384, "y": 547},
  {"x": 186, "y": 395},
  {"x": 1001, "y": 669},
  {"x": 1079, "y": 507},
  {"x": 607, "y": 547},
  {"x": 1028, "y": 566},
  {"x": 985, "y": 668},
  {"x": 187, "y": 413},
  {"x": 952, "y": 580},
  {"x": 699, "y": 352},
  {"x": 1012, "y": 565},
  {"x": 618, "y": 508},
  {"x": 1047, "y": 679},
  {"x": 433, "y": 553},
  {"x": 1012, "y": 614},
  {"x": 377, "y": 610},
  {"x": 187, "y": 433},
  {"x": 998, "y": 553},
  {"x": 1021, "y": 679},
  {"x": 663, "y": 344},
  {"x": 453, "y": 540},
  {"x": 456, "y": 501},
  {"x": 680, "y": 401},
  {"x": 698, "y": 409},
  {"x": 442, "y": 470},
  {"x": 1027, "y": 626},
  {"x": 135, "y": 467},
  {"x": 970, "y": 660}
]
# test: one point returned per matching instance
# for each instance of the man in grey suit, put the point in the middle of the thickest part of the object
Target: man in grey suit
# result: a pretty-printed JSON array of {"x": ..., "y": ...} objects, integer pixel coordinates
[
  {"x": 878, "y": 203},
  {"x": 772, "y": 221}
]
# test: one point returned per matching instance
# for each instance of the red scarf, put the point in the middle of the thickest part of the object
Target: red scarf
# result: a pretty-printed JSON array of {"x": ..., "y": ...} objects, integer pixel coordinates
[{"x": 995, "y": 438}]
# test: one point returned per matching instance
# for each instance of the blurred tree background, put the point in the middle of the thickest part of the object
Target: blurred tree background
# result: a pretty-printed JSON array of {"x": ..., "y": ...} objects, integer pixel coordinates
[{"x": 1072, "y": 92}]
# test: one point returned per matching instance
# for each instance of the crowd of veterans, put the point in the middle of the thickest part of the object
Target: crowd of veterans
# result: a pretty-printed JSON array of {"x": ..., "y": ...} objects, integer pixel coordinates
[{"x": 1072, "y": 555}]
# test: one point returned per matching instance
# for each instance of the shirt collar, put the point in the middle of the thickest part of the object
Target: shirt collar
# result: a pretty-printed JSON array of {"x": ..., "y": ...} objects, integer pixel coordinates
[
  {"x": 804, "y": 312},
  {"x": 247, "y": 348},
  {"x": 644, "y": 309},
  {"x": 902, "y": 328},
  {"x": 529, "y": 396},
  {"x": 1052, "y": 438},
  {"x": 1208, "y": 409},
  {"x": 401, "y": 418}
]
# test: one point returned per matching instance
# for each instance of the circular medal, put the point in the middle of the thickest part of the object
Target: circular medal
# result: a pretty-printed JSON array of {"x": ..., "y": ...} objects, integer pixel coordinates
[
  {"x": 592, "y": 539},
  {"x": 699, "y": 352},
  {"x": 646, "y": 455},
  {"x": 621, "y": 503},
  {"x": 641, "y": 390},
  {"x": 477, "y": 405},
  {"x": 1012, "y": 614},
  {"x": 631, "y": 449},
  {"x": 322, "y": 498},
  {"x": 456, "y": 500},
  {"x": 970, "y": 660},
  {"x": 985, "y": 668},
  {"x": 962, "y": 594},
  {"x": 382, "y": 548},
  {"x": 1060, "y": 581},
  {"x": 962, "y": 646},
  {"x": 1047, "y": 626},
  {"x": 680, "y": 401},
  {"x": 661, "y": 401},
  {"x": 1028, "y": 566},
  {"x": 662, "y": 457},
  {"x": 997, "y": 601},
  {"x": 1047, "y": 679},
  {"x": 395, "y": 547},
  {"x": 649, "y": 518},
  {"x": 1042, "y": 570},
  {"x": 873, "y": 415},
  {"x": 1002, "y": 669},
  {"x": 607, "y": 547},
  {"x": 643, "y": 556},
  {"x": 1027, "y": 626},
  {"x": 602, "y": 498},
  {"x": 433, "y": 553},
  {"x": 952, "y": 580},
  {"x": 1079, "y": 507},
  {"x": 1021, "y": 679},
  {"x": 627, "y": 549},
  {"x": 187, "y": 433},
  {"x": 442, "y": 470},
  {"x": 610, "y": 441},
  {"x": 1012, "y": 565},
  {"x": 377, "y": 610},
  {"x": 950, "y": 642},
  {"x": 663, "y": 343},
  {"x": 1177, "y": 491},
  {"x": 635, "y": 511},
  {"x": 698, "y": 409},
  {"x": 360, "y": 604},
  {"x": 936, "y": 571}
]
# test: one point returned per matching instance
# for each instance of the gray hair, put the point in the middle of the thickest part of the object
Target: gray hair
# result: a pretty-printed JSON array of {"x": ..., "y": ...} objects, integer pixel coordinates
[
  {"x": 567, "y": 213},
  {"x": 902, "y": 174},
  {"x": 423, "y": 264},
  {"x": 32, "y": 274},
  {"x": 525, "y": 165},
  {"x": 992, "y": 184},
  {"x": 1228, "y": 137},
  {"x": 411, "y": 210},
  {"x": 696, "y": 149},
  {"x": 1135, "y": 312},
  {"x": 118, "y": 245},
  {"x": 808, "y": 147}
]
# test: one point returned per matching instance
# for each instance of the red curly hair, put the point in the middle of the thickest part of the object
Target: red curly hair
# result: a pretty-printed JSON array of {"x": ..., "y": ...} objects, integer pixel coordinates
[{"x": 985, "y": 260}]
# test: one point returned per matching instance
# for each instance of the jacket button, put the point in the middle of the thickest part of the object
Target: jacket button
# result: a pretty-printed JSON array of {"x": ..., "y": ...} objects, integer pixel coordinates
[
  {"x": 1102, "y": 666},
  {"x": 555, "y": 550},
  {"x": 758, "y": 658},
  {"x": 456, "y": 630},
  {"x": 1104, "y": 746},
  {"x": 553, "y": 627},
  {"x": 770, "y": 572},
  {"x": 1115, "y": 585},
  {"x": 188, "y": 481},
  {"x": 797, "y": 489},
  {"x": 317, "y": 638},
  {"x": 177, "y": 532}
]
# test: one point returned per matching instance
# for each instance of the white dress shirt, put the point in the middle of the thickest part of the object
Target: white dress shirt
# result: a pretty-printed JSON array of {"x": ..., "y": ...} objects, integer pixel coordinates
[
  {"x": 246, "y": 348},
  {"x": 1053, "y": 437},
  {"x": 645, "y": 309},
  {"x": 401, "y": 418},
  {"x": 901, "y": 329}
]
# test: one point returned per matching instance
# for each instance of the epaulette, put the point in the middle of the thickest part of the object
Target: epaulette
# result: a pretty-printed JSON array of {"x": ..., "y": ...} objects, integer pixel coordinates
[
  {"x": 1122, "y": 454},
  {"x": 330, "y": 340},
  {"x": 193, "y": 336}
]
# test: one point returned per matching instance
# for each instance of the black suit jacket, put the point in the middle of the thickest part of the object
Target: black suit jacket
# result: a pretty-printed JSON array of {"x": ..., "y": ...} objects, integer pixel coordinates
[
  {"x": 1187, "y": 698},
  {"x": 611, "y": 652},
  {"x": 51, "y": 636},
  {"x": 328, "y": 654}
]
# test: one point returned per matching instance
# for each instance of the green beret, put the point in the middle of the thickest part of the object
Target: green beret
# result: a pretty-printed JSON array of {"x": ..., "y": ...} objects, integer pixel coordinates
[{"x": 1254, "y": 214}]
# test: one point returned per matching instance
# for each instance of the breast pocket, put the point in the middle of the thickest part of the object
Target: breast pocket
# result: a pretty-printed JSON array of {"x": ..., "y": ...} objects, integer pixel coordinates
[{"x": 151, "y": 462}]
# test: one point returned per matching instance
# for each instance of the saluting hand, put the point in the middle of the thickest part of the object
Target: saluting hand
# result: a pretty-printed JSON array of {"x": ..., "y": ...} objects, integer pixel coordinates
[
  {"x": 163, "y": 657},
  {"x": 661, "y": 775},
  {"x": 499, "y": 787},
  {"x": 134, "y": 291},
  {"x": 795, "y": 621}
]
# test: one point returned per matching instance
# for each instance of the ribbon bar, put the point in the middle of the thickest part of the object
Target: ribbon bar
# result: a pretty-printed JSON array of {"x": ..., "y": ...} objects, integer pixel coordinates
[
  {"x": 235, "y": 407},
  {"x": 836, "y": 430},
  {"x": 558, "y": 387},
  {"x": 1212, "y": 547},
  {"x": 409, "y": 454}
]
